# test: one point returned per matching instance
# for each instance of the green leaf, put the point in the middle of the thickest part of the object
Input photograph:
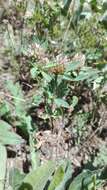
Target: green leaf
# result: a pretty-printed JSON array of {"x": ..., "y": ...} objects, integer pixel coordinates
[
  {"x": 61, "y": 103},
  {"x": 57, "y": 178},
  {"x": 104, "y": 19},
  {"x": 83, "y": 180},
  {"x": 86, "y": 74},
  {"x": 8, "y": 137},
  {"x": 34, "y": 72},
  {"x": 103, "y": 175},
  {"x": 104, "y": 7},
  {"x": 18, "y": 98},
  {"x": 66, "y": 6},
  {"x": 14, "y": 88},
  {"x": 4, "y": 108},
  {"x": 46, "y": 76},
  {"x": 74, "y": 101},
  {"x": 33, "y": 154},
  {"x": 37, "y": 99},
  {"x": 3, "y": 159},
  {"x": 67, "y": 78},
  {"x": 4, "y": 125},
  {"x": 73, "y": 66},
  {"x": 15, "y": 178},
  {"x": 37, "y": 179},
  {"x": 66, "y": 178},
  {"x": 49, "y": 66}
]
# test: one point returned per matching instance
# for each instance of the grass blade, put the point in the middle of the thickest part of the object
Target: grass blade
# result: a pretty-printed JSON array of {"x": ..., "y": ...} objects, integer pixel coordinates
[{"x": 3, "y": 159}]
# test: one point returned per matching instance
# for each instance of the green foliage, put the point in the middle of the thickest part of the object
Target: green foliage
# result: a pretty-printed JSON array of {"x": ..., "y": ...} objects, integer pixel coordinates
[
  {"x": 85, "y": 181},
  {"x": 42, "y": 178},
  {"x": 4, "y": 108},
  {"x": 67, "y": 176},
  {"x": 3, "y": 159},
  {"x": 46, "y": 19},
  {"x": 36, "y": 180},
  {"x": 8, "y": 137},
  {"x": 55, "y": 28},
  {"x": 15, "y": 178},
  {"x": 18, "y": 98},
  {"x": 61, "y": 103},
  {"x": 22, "y": 121},
  {"x": 66, "y": 6},
  {"x": 91, "y": 34},
  {"x": 57, "y": 178}
]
